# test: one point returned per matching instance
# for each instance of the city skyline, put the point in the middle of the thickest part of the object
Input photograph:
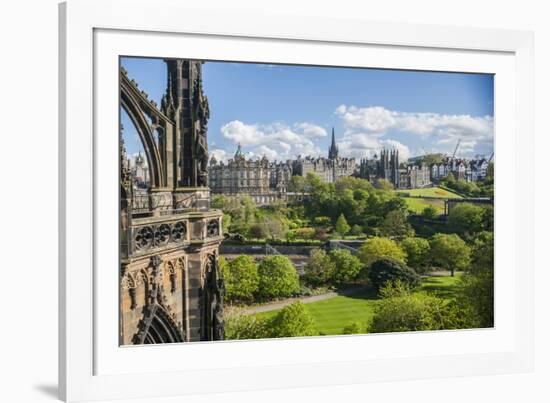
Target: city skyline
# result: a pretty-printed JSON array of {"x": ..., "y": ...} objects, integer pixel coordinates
[{"x": 413, "y": 112}]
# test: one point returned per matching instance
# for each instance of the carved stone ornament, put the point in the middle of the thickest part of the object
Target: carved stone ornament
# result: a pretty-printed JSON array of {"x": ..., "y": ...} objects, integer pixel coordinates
[
  {"x": 144, "y": 238},
  {"x": 213, "y": 229},
  {"x": 179, "y": 231}
]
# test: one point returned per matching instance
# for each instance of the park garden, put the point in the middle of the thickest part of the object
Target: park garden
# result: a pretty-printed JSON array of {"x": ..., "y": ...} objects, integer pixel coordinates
[{"x": 414, "y": 269}]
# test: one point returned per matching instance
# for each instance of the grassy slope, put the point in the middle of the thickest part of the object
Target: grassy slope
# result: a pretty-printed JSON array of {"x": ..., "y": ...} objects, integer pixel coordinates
[
  {"x": 418, "y": 205},
  {"x": 431, "y": 192},
  {"x": 332, "y": 315}
]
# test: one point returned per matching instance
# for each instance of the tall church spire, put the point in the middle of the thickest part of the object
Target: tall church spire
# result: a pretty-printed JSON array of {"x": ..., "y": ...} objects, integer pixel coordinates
[{"x": 333, "y": 150}]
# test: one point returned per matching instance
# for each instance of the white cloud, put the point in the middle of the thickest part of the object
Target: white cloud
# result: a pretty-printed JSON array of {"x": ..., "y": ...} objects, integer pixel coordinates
[
  {"x": 361, "y": 145},
  {"x": 404, "y": 151},
  {"x": 275, "y": 141},
  {"x": 366, "y": 129},
  {"x": 310, "y": 130},
  {"x": 219, "y": 154}
]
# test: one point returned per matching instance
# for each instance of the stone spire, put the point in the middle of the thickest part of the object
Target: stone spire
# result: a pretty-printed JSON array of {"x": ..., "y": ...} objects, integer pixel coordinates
[{"x": 333, "y": 150}]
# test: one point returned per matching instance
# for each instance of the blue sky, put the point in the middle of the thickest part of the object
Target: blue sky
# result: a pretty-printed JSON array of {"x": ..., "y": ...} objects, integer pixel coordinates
[{"x": 282, "y": 111}]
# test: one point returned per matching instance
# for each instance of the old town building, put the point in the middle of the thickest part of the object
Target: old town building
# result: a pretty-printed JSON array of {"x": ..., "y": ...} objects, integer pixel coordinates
[
  {"x": 330, "y": 169},
  {"x": 387, "y": 167},
  {"x": 473, "y": 170},
  {"x": 262, "y": 180}
]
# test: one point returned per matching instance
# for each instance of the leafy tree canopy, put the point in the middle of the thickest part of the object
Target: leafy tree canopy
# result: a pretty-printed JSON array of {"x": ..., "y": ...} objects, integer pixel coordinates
[
  {"x": 378, "y": 247},
  {"x": 346, "y": 266},
  {"x": 278, "y": 277},
  {"x": 387, "y": 270},
  {"x": 418, "y": 253},
  {"x": 293, "y": 321},
  {"x": 319, "y": 269},
  {"x": 342, "y": 227},
  {"x": 241, "y": 278},
  {"x": 450, "y": 252},
  {"x": 395, "y": 224},
  {"x": 466, "y": 218}
]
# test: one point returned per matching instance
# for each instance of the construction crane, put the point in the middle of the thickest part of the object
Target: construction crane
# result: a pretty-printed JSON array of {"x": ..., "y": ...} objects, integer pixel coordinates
[{"x": 456, "y": 148}]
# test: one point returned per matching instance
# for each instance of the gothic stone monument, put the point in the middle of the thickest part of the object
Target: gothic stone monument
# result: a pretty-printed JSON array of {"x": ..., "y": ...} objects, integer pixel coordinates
[{"x": 170, "y": 287}]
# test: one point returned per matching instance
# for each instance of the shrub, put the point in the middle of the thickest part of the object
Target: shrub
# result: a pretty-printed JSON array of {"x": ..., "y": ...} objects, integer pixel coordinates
[
  {"x": 319, "y": 269},
  {"x": 401, "y": 311},
  {"x": 258, "y": 231},
  {"x": 304, "y": 233},
  {"x": 321, "y": 234},
  {"x": 241, "y": 279},
  {"x": 390, "y": 270},
  {"x": 292, "y": 321},
  {"x": 242, "y": 327},
  {"x": 346, "y": 266},
  {"x": 278, "y": 277},
  {"x": 353, "y": 328},
  {"x": 322, "y": 221},
  {"x": 429, "y": 212}
]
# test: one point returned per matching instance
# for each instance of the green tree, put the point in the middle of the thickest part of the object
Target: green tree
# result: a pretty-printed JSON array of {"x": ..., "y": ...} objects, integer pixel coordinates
[
  {"x": 278, "y": 277},
  {"x": 387, "y": 270},
  {"x": 319, "y": 269},
  {"x": 488, "y": 218},
  {"x": 383, "y": 184},
  {"x": 466, "y": 218},
  {"x": 450, "y": 252},
  {"x": 258, "y": 231},
  {"x": 395, "y": 224},
  {"x": 430, "y": 159},
  {"x": 297, "y": 184},
  {"x": 475, "y": 293},
  {"x": 356, "y": 230},
  {"x": 293, "y": 320},
  {"x": 226, "y": 222},
  {"x": 483, "y": 255},
  {"x": 342, "y": 227},
  {"x": 377, "y": 247},
  {"x": 418, "y": 253},
  {"x": 429, "y": 212},
  {"x": 275, "y": 228},
  {"x": 241, "y": 279},
  {"x": 346, "y": 266},
  {"x": 475, "y": 299}
]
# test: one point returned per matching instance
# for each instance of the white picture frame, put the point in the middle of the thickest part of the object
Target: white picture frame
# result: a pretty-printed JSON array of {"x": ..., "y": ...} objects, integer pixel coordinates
[{"x": 91, "y": 364}]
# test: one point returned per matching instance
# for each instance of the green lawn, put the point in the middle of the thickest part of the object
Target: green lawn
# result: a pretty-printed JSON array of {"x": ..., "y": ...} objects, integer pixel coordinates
[
  {"x": 430, "y": 192},
  {"x": 418, "y": 205},
  {"x": 332, "y": 315},
  {"x": 442, "y": 287}
]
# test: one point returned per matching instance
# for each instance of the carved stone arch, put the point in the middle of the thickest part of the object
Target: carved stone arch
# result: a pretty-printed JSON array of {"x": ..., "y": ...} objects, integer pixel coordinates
[
  {"x": 157, "y": 327},
  {"x": 138, "y": 111},
  {"x": 180, "y": 264}
]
